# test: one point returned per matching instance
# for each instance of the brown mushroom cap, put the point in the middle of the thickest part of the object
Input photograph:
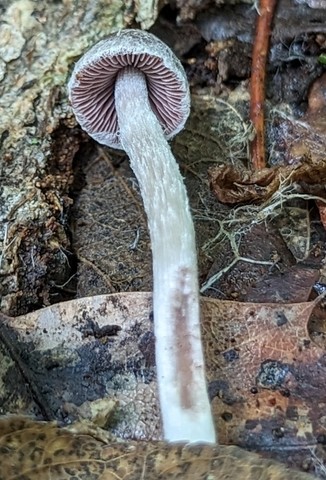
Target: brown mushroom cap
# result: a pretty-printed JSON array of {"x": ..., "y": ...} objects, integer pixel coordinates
[{"x": 91, "y": 87}]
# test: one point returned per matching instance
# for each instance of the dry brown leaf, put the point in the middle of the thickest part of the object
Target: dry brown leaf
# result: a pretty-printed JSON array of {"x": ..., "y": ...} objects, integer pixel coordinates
[
  {"x": 231, "y": 185},
  {"x": 234, "y": 186},
  {"x": 293, "y": 286},
  {"x": 112, "y": 244},
  {"x": 263, "y": 367},
  {"x": 36, "y": 451}
]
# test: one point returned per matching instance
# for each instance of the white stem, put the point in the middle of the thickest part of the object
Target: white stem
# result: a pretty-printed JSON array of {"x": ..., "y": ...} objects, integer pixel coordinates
[{"x": 185, "y": 407}]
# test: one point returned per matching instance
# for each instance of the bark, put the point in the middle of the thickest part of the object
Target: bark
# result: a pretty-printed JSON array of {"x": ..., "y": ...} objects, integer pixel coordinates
[{"x": 39, "y": 42}]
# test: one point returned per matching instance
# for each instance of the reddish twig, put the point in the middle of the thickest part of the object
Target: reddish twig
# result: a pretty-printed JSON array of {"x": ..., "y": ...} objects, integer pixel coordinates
[{"x": 257, "y": 86}]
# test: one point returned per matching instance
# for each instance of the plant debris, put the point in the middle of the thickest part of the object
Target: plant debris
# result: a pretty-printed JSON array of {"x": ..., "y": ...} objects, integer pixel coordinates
[
  {"x": 261, "y": 365},
  {"x": 43, "y": 450}
]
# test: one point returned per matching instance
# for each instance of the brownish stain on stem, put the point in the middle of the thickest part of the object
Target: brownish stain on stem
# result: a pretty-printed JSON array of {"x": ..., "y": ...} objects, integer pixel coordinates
[{"x": 181, "y": 305}]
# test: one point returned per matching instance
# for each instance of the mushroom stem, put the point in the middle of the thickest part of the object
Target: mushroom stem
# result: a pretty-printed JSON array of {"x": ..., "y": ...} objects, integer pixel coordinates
[{"x": 185, "y": 407}]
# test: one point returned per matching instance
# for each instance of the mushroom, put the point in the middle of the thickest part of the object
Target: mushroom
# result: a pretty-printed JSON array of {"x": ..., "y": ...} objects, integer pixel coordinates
[{"x": 130, "y": 92}]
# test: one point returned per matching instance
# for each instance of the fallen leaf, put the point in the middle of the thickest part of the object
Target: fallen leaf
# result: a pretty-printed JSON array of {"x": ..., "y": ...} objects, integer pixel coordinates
[
  {"x": 294, "y": 285},
  {"x": 72, "y": 364},
  {"x": 36, "y": 450},
  {"x": 266, "y": 377},
  {"x": 233, "y": 186}
]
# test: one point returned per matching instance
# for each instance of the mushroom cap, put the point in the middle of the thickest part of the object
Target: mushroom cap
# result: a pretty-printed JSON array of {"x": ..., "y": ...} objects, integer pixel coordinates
[{"x": 91, "y": 86}]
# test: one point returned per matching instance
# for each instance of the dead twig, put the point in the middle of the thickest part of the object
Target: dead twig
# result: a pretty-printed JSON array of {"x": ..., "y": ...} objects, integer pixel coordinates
[{"x": 257, "y": 84}]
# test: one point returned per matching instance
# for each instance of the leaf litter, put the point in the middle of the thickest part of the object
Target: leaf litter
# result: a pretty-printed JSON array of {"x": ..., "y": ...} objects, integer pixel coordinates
[
  {"x": 281, "y": 411},
  {"x": 265, "y": 375},
  {"x": 31, "y": 450}
]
